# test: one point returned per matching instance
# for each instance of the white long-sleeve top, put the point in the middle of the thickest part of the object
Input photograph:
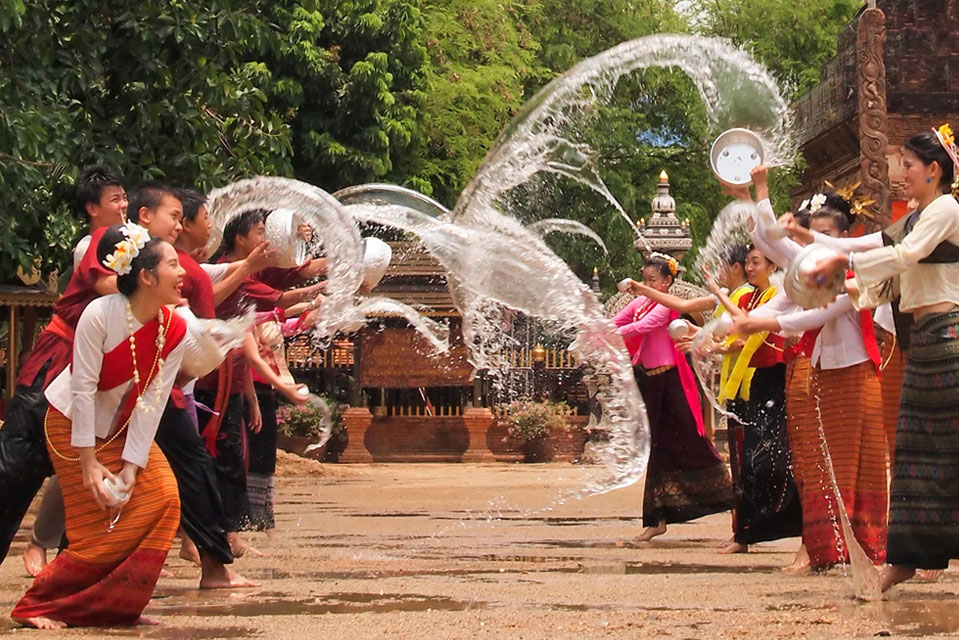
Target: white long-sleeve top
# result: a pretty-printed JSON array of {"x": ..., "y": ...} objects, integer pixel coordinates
[
  {"x": 780, "y": 250},
  {"x": 94, "y": 413},
  {"x": 883, "y": 316},
  {"x": 840, "y": 343},
  {"x": 920, "y": 285}
]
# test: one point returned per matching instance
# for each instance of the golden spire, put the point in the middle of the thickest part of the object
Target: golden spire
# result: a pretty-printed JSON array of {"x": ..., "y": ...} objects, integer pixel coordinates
[{"x": 663, "y": 176}]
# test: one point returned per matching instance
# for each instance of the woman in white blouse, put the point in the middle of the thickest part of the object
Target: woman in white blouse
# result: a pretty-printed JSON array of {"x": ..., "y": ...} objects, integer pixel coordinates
[
  {"x": 924, "y": 505},
  {"x": 122, "y": 509},
  {"x": 845, "y": 388}
]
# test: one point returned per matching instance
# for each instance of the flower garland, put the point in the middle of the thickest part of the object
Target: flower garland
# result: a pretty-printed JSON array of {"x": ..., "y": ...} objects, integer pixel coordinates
[
  {"x": 671, "y": 261},
  {"x": 948, "y": 141},
  {"x": 124, "y": 251}
]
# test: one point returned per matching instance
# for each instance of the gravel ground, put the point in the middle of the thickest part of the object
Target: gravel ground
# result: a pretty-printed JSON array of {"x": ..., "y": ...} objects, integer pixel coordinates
[{"x": 489, "y": 551}]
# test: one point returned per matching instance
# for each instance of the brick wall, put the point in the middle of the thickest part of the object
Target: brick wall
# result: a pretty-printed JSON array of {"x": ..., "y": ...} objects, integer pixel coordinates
[{"x": 922, "y": 90}]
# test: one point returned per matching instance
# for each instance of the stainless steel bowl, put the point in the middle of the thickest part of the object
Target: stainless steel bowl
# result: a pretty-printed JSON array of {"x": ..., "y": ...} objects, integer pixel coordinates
[
  {"x": 734, "y": 154},
  {"x": 810, "y": 297}
]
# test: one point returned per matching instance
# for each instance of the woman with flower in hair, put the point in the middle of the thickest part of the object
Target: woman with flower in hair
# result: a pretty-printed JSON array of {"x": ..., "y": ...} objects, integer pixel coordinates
[
  {"x": 685, "y": 479},
  {"x": 845, "y": 396},
  {"x": 122, "y": 508},
  {"x": 924, "y": 494}
]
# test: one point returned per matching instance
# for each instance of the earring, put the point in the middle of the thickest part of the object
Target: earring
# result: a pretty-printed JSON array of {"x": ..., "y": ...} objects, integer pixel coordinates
[{"x": 928, "y": 180}]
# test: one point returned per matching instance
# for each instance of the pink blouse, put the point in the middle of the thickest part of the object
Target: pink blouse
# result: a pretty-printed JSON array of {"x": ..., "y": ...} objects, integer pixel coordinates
[{"x": 645, "y": 333}]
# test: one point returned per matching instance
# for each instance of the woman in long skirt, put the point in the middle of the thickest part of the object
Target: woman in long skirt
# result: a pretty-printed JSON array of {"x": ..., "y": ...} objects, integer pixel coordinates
[
  {"x": 685, "y": 479},
  {"x": 924, "y": 502},
  {"x": 120, "y": 497}
]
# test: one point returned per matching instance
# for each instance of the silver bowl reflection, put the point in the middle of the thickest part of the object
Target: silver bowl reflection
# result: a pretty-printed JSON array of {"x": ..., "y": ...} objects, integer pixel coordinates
[
  {"x": 282, "y": 231},
  {"x": 804, "y": 295},
  {"x": 734, "y": 154},
  {"x": 390, "y": 194}
]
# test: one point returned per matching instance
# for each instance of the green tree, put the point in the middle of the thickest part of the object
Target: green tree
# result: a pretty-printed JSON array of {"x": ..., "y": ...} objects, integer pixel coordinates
[{"x": 793, "y": 39}]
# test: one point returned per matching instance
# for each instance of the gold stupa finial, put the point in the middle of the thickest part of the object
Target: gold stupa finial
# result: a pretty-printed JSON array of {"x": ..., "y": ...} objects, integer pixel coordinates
[{"x": 663, "y": 176}]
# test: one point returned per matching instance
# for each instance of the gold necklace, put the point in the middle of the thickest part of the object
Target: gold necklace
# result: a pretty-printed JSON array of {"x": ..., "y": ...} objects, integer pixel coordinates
[{"x": 153, "y": 368}]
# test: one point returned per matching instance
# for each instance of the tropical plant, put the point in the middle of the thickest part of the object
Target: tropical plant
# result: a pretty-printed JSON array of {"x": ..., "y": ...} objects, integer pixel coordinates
[{"x": 528, "y": 420}]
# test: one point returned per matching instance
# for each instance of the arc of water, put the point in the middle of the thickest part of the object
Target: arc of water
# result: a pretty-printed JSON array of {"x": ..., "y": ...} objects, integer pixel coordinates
[{"x": 563, "y": 225}]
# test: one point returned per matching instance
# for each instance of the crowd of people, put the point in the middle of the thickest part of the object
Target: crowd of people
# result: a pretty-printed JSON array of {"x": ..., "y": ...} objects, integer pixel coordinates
[
  {"x": 144, "y": 450},
  {"x": 851, "y": 409}
]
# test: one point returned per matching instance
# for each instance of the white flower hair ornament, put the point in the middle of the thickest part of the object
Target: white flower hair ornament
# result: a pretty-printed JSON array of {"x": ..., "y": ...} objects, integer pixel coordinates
[
  {"x": 121, "y": 260},
  {"x": 671, "y": 261},
  {"x": 817, "y": 202}
]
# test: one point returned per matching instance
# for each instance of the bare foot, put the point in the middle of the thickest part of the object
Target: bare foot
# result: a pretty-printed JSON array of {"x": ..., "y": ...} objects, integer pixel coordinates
[
  {"x": 241, "y": 548},
  {"x": 893, "y": 574},
  {"x": 800, "y": 563},
  {"x": 219, "y": 576},
  {"x": 651, "y": 532},
  {"x": 147, "y": 621},
  {"x": 166, "y": 574},
  {"x": 188, "y": 551},
  {"x": 725, "y": 543},
  {"x": 929, "y": 575},
  {"x": 41, "y": 623},
  {"x": 34, "y": 559},
  {"x": 735, "y": 547}
]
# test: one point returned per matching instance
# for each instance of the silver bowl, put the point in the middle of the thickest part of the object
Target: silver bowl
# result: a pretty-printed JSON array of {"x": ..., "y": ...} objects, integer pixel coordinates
[
  {"x": 281, "y": 228},
  {"x": 734, "y": 154},
  {"x": 376, "y": 260},
  {"x": 795, "y": 285}
]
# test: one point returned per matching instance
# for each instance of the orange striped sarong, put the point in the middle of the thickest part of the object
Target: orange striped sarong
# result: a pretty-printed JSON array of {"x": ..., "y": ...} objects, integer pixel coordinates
[
  {"x": 104, "y": 578},
  {"x": 799, "y": 412},
  {"x": 849, "y": 401},
  {"x": 894, "y": 367}
]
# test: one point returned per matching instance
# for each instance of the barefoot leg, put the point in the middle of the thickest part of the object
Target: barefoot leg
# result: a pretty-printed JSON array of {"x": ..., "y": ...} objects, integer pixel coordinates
[
  {"x": 34, "y": 559},
  {"x": 188, "y": 550},
  {"x": 147, "y": 621},
  {"x": 41, "y": 623},
  {"x": 893, "y": 574},
  {"x": 800, "y": 563},
  {"x": 651, "y": 532},
  {"x": 929, "y": 575},
  {"x": 735, "y": 547},
  {"x": 241, "y": 548},
  {"x": 216, "y": 575}
]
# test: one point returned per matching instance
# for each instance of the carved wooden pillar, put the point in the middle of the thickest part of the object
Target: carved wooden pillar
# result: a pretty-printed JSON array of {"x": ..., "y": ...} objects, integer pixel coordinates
[{"x": 873, "y": 138}]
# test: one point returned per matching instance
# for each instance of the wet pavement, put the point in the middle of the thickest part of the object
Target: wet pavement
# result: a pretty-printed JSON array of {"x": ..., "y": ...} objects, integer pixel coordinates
[{"x": 472, "y": 551}]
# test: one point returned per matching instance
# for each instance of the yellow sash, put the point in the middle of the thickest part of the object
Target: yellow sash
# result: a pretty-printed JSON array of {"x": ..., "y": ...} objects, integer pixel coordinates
[
  {"x": 727, "y": 365},
  {"x": 738, "y": 383}
]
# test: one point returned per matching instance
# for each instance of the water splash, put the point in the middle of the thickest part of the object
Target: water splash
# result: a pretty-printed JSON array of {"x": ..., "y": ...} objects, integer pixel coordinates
[
  {"x": 562, "y": 225},
  {"x": 341, "y": 243}
]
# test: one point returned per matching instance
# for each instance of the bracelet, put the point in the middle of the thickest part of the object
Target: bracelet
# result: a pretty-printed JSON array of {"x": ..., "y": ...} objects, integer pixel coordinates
[{"x": 851, "y": 265}]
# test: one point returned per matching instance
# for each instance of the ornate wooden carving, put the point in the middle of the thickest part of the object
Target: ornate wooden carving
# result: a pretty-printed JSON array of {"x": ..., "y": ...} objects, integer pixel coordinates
[{"x": 873, "y": 138}]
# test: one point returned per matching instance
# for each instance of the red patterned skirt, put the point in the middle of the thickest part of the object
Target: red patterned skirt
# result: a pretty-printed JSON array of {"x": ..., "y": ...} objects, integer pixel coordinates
[
  {"x": 104, "y": 577},
  {"x": 849, "y": 400}
]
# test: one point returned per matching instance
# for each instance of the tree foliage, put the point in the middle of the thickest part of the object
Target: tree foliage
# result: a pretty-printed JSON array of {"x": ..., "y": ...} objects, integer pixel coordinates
[{"x": 340, "y": 92}]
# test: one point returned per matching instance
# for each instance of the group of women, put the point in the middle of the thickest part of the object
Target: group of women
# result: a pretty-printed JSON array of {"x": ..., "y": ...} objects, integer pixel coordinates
[{"x": 850, "y": 410}]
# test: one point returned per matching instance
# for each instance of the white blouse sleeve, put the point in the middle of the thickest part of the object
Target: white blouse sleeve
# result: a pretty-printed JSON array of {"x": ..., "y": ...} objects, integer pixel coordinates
[
  {"x": 807, "y": 320},
  {"x": 859, "y": 243},
  {"x": 938, "y": 222},
  {"x": 779, "y": 250},
  {"x": 143, "y": 424},
  {"x": 88, "y": 346}
]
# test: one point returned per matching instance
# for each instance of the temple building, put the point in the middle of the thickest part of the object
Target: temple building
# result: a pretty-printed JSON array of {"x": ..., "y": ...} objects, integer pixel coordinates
[{"x": 895, "y": 73}]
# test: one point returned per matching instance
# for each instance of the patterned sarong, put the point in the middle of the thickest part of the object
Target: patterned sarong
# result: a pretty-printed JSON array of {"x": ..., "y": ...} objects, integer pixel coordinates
[
  {"x": 849, "y": 403},
  {"x": 685, "y": 479},
  {"x": 924, "y": 502},
  {"x": 105, "y": 577}
]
